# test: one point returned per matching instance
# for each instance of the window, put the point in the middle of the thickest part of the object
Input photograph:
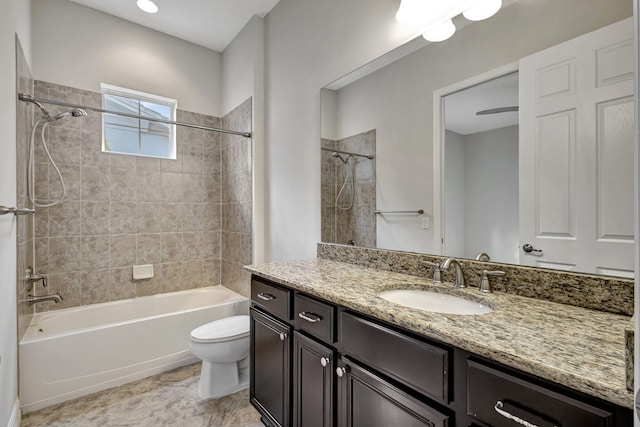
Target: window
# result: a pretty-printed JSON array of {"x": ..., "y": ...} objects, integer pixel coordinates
[{"x": 140, "y": 137}]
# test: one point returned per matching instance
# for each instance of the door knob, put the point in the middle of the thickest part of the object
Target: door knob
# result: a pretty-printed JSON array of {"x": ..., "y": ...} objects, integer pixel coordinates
[
  {"x": 340, "y": 372},
  {"x": 528, "y": 248},
  {"x": 324, "y": 361},
  {"x": 283, "y": 336}
]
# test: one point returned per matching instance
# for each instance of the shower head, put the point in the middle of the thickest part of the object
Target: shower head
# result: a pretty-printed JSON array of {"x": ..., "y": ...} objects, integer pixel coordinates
[{"x": 76, "y": 112}]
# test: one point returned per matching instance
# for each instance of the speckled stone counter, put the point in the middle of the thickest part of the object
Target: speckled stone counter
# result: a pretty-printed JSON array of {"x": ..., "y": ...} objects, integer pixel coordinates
[{"x": 580, "y": 348}]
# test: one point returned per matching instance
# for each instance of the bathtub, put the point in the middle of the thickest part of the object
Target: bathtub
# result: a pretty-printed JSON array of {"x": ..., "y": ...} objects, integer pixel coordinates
[{"x": 73, "y": 352}]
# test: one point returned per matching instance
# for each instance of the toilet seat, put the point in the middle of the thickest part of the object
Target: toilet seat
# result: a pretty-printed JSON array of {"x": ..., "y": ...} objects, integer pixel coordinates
[{"x": 227, "y": 329}]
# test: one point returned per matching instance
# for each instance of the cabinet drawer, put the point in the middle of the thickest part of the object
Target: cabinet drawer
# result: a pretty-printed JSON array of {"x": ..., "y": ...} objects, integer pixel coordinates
[
  {"x": 500, "y": 399},
  {"x": 418, "y": 364},
  {"x": 276, "y": 300},
  {"x": 315, "y": 317}
]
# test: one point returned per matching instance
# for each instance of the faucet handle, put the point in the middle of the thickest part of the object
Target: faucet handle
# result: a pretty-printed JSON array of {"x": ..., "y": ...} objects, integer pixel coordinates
[
  {"x": 437, "y": 270},
  {"x": 485, "y": 285}
]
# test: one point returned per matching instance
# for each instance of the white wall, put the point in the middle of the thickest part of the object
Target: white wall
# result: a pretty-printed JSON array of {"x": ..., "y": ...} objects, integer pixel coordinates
[
  {"x": 310, "y": 43},
  {"x": 398, "y": 100},
  {"x": 243, "y": 77},
  {"x": 13, "y": 19},
  {"x": 491, "y": 194},
  {"x": 454, "y": 194},
  {"x": 77, "y": 46}
]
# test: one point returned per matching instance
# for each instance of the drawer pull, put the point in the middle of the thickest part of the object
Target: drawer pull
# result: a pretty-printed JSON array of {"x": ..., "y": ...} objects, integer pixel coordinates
[
  {"x": 310, "y": 317},
  {"x": 324, "y": 361},
  {"x": 340, "y": 372},
  {"x": 283, "y": 336},
  {"x": 499, "y": 410},
  {"x": 266, "y": 297}
]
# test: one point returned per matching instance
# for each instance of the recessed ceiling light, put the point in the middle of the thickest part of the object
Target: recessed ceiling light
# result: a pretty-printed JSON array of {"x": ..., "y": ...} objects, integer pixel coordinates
[{"x": 147, "y": 5}]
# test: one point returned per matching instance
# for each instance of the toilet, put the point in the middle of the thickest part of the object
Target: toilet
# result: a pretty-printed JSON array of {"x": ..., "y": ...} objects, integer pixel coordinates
[{"x": 223, "y": 347}]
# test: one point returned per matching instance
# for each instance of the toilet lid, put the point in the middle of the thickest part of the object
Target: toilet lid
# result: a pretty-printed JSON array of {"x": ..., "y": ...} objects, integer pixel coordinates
[{"x": 226, "y": 329}]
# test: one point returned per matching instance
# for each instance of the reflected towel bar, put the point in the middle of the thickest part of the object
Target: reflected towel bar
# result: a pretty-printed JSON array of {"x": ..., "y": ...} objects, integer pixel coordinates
[{"x": 418, "y": 212}]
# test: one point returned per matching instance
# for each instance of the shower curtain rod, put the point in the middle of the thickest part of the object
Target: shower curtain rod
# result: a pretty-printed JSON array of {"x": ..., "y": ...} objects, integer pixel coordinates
[
  {"x": 31, "y": 99},
  {"x": 368, "y": 156}
]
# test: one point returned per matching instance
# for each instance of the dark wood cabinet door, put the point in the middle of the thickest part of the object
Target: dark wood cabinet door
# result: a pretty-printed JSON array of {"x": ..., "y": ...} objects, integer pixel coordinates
[
  {"x": 367, "y": 400},
  {"x": 270, "y": 386},
  {"x": 313, "y": 382}
]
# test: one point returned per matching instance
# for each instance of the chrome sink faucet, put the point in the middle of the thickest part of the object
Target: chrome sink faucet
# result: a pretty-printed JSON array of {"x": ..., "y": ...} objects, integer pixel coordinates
[{"x": 459, "y": 281}]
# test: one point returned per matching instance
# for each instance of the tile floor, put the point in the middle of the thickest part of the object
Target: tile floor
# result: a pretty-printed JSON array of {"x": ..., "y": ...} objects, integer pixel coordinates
[{"x": 167, "y": 399}]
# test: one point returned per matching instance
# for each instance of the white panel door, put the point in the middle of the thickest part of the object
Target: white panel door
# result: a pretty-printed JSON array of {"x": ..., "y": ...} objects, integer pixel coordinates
[{"x": 576, "y": 154}]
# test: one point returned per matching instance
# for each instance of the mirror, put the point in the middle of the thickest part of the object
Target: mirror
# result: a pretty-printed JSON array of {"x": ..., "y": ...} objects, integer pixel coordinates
[{"x": 379, "y": 140}]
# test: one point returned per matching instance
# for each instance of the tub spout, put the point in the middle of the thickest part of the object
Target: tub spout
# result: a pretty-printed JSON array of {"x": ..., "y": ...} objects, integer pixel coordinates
[{"x": 33, "y": 299}]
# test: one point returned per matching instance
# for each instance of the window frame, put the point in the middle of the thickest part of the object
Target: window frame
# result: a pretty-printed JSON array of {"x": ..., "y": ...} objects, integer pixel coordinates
[{"x": 107, "y": 89}]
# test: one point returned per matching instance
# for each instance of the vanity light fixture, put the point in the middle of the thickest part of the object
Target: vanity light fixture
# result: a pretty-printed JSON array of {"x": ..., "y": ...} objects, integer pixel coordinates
[
  {"x": 147, "y": 6},
  {"x": 435, "y": 15},
  {"x": 440, "y": 32}
]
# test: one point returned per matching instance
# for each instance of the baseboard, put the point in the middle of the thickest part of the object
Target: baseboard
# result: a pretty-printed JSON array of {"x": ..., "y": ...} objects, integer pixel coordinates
[{"x": 16, "y": 416}]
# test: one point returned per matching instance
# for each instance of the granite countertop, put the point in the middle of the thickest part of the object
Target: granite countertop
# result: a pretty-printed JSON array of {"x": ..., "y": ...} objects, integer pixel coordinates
[{"x": 577, "y": 347}]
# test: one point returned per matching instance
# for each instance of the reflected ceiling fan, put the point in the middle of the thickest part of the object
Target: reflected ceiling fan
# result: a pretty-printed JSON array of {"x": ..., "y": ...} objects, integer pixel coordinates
[{"x": 498, "y": 110}]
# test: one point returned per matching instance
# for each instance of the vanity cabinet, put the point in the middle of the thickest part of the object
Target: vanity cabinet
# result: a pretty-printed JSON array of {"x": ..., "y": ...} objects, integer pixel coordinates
[
  {"x": 367, "y": 399},
  {"x": 313, "y": 382},
  {"x": 270, "y": 353},
  {"x": 315, "y": 364}
]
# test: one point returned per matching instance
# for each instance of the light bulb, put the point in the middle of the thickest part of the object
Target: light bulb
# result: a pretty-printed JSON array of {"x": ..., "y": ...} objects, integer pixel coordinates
[
  {"x": 440, "y": 32},
  {"x": 483, "y": 10},
  {"x": 147, "y": 6}
]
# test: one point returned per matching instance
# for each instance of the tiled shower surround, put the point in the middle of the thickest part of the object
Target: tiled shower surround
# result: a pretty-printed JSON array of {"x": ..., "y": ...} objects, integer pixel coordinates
[
  {"x": 189, "y": 217},
  {"x": 358, "y": 224}
]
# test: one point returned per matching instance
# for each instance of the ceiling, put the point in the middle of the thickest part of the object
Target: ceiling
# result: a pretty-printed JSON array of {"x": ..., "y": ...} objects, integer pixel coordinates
[
  {"x": 461, "y": 107},
  {"x": 209, "y": 23}
]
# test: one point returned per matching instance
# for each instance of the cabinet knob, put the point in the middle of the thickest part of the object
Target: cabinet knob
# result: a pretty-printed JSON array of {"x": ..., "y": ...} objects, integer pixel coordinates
[
  {"x": 283, "y": 336},
  {"x": 340, "y": 372},
  {"x": 324, "y": 361}
]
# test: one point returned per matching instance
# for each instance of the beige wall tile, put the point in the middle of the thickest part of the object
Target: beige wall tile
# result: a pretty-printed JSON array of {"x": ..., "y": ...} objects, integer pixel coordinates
[
  {"x": 193, "y": 217},
  {"x": 192, "y": 275},
  {"x": 123, "y": 250},
  {"x": 95, "y": 286},
  {"x": 148, "y": 249},
  {"x": 172, "y": 187},
  {"x": 148, "y": 218},
  {"x": 194, "y": 189},
  {"x": 122, "y": 286},
  {"x": 123, "y": 218},
  {"x": 148, "y": 185},
  {"x": 122, "y": 184},
  {"x": 64, "y": 219},
  {"x": 65, "y": 254},
  {"x": 94, "y": 218},
  {"x": 95, "y": 252},
  {"x": 95, "y": 183},
  {"x": 171, "y": 247}
]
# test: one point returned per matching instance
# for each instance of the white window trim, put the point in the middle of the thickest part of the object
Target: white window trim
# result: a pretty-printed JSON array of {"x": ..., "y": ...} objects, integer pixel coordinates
[{"x": 142, "y": 96}]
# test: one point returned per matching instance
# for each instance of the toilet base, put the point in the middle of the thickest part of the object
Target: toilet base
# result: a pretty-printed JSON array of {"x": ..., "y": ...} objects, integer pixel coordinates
[{"x": 221, "y": 379}]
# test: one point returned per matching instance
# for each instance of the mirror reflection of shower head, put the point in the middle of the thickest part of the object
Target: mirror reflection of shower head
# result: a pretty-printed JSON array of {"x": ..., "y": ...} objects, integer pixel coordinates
[{"x": 335, "y": 154}]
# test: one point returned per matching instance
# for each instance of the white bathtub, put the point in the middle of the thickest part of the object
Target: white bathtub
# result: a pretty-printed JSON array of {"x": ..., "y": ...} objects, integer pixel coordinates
[{"x": 72, "y": 352}]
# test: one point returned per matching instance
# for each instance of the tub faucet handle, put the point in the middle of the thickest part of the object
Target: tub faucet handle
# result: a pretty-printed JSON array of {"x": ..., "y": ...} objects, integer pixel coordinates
[{"x": 39, "y": 278}]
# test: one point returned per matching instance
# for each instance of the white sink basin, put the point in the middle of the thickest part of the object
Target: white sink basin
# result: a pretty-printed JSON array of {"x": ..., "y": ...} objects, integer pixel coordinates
[{"x": 435, "y": 302}]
